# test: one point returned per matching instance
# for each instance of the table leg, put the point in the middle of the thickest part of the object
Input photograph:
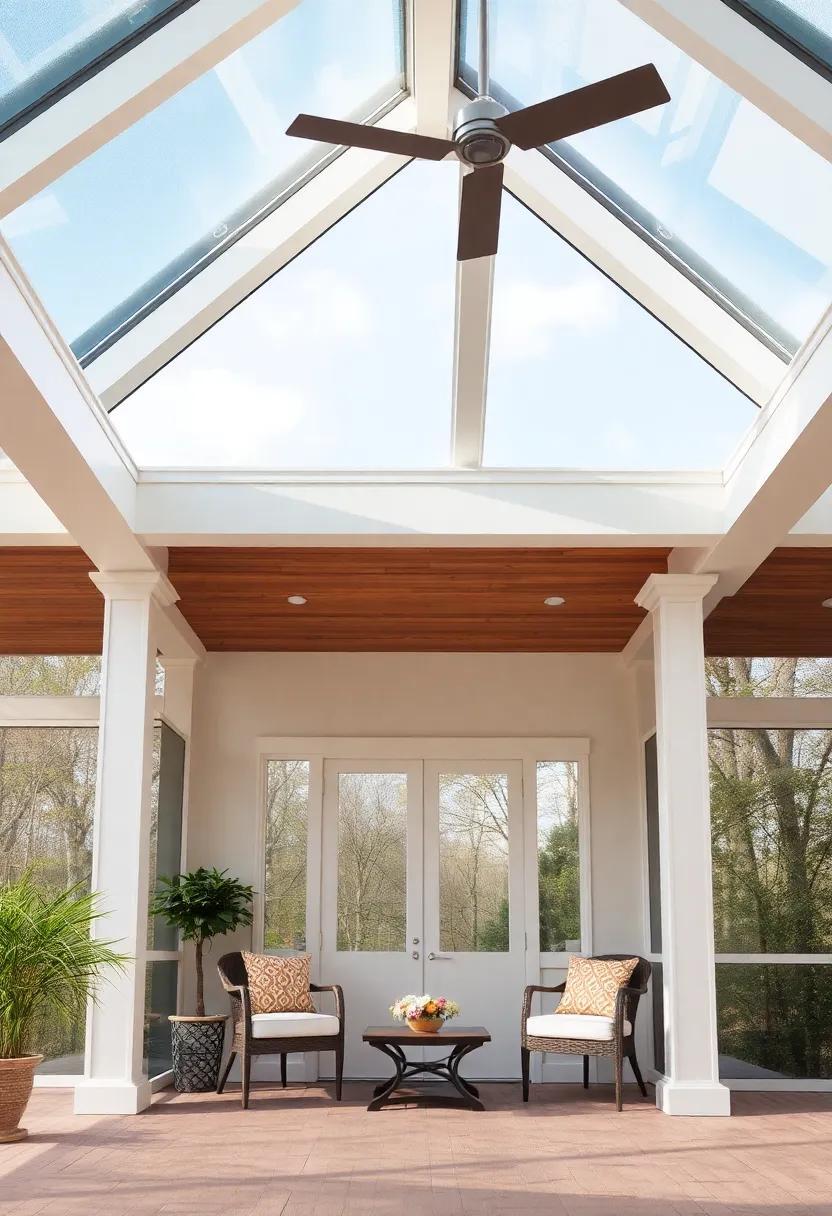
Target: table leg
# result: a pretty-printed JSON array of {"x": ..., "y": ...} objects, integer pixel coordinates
[
  {"x": 382, "y": 1092},
  {"x": 392, "y": 1049},
  {"x": 468, "y": 1091}
]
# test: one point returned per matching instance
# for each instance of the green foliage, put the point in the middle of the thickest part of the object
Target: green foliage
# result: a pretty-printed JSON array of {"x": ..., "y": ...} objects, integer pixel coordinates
[
  {"x": 559, "y": 885},
  {"x": 203, "y": 904},
  {"x": 49, "y": 963}
]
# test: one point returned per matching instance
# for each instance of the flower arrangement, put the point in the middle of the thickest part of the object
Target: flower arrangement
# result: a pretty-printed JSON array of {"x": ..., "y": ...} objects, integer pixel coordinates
[{"x": 425, "y": 1014}]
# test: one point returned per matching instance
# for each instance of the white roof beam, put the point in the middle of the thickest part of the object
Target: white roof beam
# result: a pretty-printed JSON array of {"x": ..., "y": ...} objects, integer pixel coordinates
[
  {"x": 245, "y": 265},
  {"x": 647, "y": 276},
  {"x": 114, "y": 98},
  {"x": 781, "y": 471},
  {"x": 433, "y": 38},
  {"x": 474, "y": 293},
  {"x": 750, "y": 61}
]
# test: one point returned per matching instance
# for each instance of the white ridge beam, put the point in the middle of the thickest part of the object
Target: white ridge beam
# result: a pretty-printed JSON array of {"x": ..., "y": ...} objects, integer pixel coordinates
[
  {"x": 750, "y": 61},
  {"x": 125, "y": 90},
  {"x": 433, "y": 38},
  {"x": 474, "y": 294},
  {"x": 622, "y": 254},
  {"x": 245, "y": 265}
]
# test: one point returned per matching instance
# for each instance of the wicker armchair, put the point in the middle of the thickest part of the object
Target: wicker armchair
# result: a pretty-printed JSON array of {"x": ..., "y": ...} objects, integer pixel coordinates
[
  {"x": 613, "y": 1037},
  {"x": 254, "y": 1035}
]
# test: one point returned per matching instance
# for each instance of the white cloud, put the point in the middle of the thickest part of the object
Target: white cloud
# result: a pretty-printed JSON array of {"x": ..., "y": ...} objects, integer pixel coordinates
[
  {"x": 527, "y": 314},
  {"x": 210, "y": 416},
  {"x": 323, "y": 305}
]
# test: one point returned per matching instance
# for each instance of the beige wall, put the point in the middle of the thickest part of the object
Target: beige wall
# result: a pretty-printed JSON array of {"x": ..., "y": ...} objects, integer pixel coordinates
[{"x": 242, "y": 696}]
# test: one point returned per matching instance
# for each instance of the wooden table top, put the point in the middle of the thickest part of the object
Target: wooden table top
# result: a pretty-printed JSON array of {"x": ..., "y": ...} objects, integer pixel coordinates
[{"x": 448, "y": 1034}]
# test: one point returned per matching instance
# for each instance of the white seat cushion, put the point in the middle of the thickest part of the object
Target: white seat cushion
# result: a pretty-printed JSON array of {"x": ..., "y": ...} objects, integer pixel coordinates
[
  {"x": 572, "y": 1026},
  {"x": 292, "y": 1025}
]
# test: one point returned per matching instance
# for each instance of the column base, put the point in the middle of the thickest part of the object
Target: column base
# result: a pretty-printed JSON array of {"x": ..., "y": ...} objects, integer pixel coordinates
[
  {"x": 690, "y": 1098},
  {"x": 111, "y": 1097}
]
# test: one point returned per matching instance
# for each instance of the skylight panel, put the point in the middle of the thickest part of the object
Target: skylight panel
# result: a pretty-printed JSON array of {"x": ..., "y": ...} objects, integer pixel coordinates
[
  {"x": 735, "y": 201},
  {"x": 46, "y": 45},
  {"x": 342, "y": 360},
  {"x": 119, "y": 232},
  {"x": 583, "y": 377},
  {"x": 805, "y": 23}
]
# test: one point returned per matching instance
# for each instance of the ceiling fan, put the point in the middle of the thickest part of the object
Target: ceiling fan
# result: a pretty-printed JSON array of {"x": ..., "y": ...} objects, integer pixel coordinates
[{"x": 484, "y": 131}]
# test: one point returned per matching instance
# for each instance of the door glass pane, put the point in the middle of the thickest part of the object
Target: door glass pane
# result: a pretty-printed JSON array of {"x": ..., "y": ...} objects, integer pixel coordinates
[
  {"x": 166, "y": 793},
  {"x": 774, "y": 1020},
  {"x": 473, "y": 861},
  {"x": 771, "y": 831},
  {"x": 372, "y": 861},
  {"x": 558, "y": 855},
  {"x": 284, "y": 884},
  {"x": 159, "y": 1002},
  {"x": 43, "y": 45}
]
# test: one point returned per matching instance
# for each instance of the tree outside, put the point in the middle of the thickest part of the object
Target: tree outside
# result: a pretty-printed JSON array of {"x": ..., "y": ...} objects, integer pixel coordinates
[
  {"x": 287, "y": 810},
  {"x": 771, "y": 817},
  {"x": 372, "y": 861}
]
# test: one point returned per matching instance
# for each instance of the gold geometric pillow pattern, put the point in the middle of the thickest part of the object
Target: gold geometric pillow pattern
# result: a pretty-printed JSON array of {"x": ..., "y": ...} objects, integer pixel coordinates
[
  {"x": 592, "y": 984},
  {"x": 278, "y": 984}
]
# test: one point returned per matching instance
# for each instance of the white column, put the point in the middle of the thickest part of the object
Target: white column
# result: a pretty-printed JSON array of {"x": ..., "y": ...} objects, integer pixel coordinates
[
  {"x": 691, "y": 1085},
  {"x": 114, "y": 1080}
]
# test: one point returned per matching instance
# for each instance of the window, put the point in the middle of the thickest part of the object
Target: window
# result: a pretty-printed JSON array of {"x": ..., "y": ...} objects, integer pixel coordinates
[
  {"x": 50, "y": 675},
  {"x": 473, "y": 862},
  {"x": 688, "y": 176},
  {"x": 654, "y": 878},
  {"x": 186, "y": 180},
  {"x": 581, "y": 376},
  {"x": 45, "y": 46},
  {"x": 372, "y": 861},
  {"x": 47, "y": 801},
  {"x": 771, "y": 825},
  {"x": 767, "y": 677},
  {"x": 166, "y": 794},
  {"x": 807, "y": 24},
  {"x": 317, "y": 369},
  {"x": 160, "y": 994},
  {"x": 558, "y": 856},
  {"x": 284, "y": 882}
]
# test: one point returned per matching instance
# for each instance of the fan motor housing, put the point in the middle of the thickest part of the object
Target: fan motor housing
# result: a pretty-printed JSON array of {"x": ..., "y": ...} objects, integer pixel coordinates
[{"x": 479, "y": 141}]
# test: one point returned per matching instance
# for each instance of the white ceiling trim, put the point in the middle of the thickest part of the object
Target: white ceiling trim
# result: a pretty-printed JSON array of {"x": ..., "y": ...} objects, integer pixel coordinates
[
  {"x": 750, "y": 62},
  {"x": 642, "y": 272},
  {"x": 111, "y": 100}
]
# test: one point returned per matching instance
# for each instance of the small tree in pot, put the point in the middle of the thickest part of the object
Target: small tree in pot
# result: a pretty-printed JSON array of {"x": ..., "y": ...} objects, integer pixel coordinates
[
  {"x": 49, "y": 968},
  {"x": 202, "y": 905}
]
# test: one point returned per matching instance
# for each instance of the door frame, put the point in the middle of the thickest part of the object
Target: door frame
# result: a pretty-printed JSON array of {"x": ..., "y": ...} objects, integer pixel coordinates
[{"x": 528, "y": 750}]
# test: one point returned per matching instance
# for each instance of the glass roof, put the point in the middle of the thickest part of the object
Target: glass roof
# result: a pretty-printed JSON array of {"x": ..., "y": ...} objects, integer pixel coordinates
[
  {"x": 123, "y": 228},
  {"x": 806, "y": 23},
  {"x": 343, "y": 359},
  {"x": 45, "y": 45},
  {"x": 581, "y": 376},
  {"x": 737, "y": 202}
]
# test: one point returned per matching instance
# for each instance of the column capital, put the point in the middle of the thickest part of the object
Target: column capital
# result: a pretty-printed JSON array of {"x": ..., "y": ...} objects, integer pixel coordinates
[
  {"x": 677, "y": 588},
  {"x": 135, "y": 585}
]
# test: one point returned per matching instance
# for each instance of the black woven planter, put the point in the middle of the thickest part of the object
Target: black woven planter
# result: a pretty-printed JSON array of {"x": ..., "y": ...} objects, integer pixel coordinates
[{"x": 197, "y": 1052}]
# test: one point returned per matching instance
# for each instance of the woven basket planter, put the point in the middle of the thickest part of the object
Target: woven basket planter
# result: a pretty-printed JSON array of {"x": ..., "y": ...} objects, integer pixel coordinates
[
  {"x": 16, "y": 1080},
  {"x": 197, "y": 1052}
]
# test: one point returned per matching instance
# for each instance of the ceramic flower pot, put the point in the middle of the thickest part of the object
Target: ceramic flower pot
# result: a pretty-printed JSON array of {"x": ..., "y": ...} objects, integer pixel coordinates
[
  {"x": 16, "y": 1080},
  {"x": 425, "y": 1025}
]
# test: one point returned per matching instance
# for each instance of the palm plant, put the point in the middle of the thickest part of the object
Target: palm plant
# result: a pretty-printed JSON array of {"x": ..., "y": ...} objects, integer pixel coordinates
[
  {"x": 49, "y": 962},
  {"x": 201, "y": 905}
]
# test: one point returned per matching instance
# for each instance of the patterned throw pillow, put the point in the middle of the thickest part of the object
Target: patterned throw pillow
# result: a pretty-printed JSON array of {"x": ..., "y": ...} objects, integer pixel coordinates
[
  {"x": 277, "y": 984},
  {"x": 592, "y": 984}
]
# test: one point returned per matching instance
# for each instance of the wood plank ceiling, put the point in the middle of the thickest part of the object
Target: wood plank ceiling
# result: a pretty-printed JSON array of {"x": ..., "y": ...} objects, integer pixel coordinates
[
  {"x": 48, "y": 605},
  {"x": 779, "y": 611},
  {"x": 414, "y": 599}
]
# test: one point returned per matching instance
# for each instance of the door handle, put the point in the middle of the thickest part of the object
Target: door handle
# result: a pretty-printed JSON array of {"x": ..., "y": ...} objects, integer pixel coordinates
[
  {"x": 415, "y": 954},
  {"x": 435, "y": 958}
]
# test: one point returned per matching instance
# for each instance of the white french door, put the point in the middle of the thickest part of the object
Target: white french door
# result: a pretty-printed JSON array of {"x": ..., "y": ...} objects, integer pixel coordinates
[{"x": 422, "y": 890}]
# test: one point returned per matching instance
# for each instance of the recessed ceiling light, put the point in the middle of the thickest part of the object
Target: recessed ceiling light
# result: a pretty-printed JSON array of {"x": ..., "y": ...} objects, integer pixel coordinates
[
  {"x": 296, "y": 599},
  {"x": 554, "y": 601},
  {"x": 827, "y": 604}
]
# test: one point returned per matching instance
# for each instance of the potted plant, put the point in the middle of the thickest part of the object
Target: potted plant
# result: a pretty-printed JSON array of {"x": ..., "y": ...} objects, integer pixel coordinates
[
  {"x": 49, "y": 968},
  {"x": 424, "y": 1014},
  {"x": 202, "y": 905}
]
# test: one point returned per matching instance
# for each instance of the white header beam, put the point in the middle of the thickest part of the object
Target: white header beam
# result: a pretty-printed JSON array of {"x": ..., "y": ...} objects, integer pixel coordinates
[
  {"x": 433, "y": 30},
  {"x": 472, "y": 336},
  {"x": 120, "y": 94},
  {"x": 749, "y": 61}
]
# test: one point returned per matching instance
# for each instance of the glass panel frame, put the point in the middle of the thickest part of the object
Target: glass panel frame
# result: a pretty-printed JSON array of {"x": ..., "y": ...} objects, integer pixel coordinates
[
  {"x": 364, "y": 841},
  {"x": 286, "y": 822},
  {"x": 474, "y": 861},
  {"x": 161, "y": 999},
  {"x": 559, "y": 857},
  {"x": 798, "y": 34}
]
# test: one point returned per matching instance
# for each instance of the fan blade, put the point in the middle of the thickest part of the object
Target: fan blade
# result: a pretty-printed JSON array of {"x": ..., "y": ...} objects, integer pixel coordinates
[
  {"x": 479, "y": 213},
  {"x": 380, "y": 139},
  {"x": 592, "y": 106}
]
